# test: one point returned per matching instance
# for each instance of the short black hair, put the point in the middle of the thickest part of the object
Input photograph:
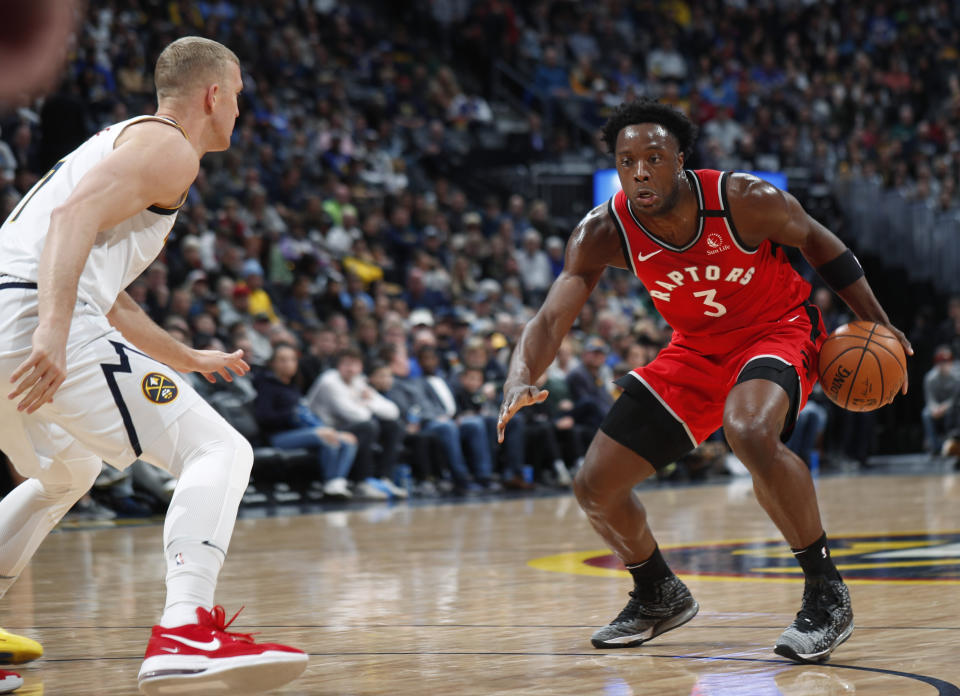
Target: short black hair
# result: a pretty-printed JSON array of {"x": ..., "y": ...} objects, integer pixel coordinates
[
  {"x": 650, "y": 111},
  {"x": 377, "y": 364},
  {"x": 282, "y": 345},
  {"x": 351, "y": 352}
]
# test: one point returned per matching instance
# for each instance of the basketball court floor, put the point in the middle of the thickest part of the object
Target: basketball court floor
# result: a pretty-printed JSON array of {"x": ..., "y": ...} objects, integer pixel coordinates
[{"x": 501, "y": 596}]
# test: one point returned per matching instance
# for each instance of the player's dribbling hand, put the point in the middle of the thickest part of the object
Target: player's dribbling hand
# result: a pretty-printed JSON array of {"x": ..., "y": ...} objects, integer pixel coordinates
[
  {"x": 515, "y": 398},
  {"x": 211, "y": 363},
  {"x": 42, "y": 372},
  {"x": 907, "y": 348}
]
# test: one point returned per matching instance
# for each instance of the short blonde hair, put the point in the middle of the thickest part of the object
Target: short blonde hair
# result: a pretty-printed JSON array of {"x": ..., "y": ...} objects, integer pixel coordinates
[{"x": 188, "y": 62}]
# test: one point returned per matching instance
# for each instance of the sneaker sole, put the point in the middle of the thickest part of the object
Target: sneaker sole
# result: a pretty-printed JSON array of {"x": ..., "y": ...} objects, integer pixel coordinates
[
  {"x": 813, "y": 658},
  {"x": 673, "y": 622},
  {"x": 8, "y": 686},
  {"x": 216, "y": 676}
]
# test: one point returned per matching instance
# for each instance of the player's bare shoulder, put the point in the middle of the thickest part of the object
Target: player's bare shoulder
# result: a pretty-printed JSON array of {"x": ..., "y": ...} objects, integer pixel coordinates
[
  {"x": 595, "y": 243},
  {"x": 153, "y": 137},
  {"x": 759, "y": 209},
  {"x": 166, "y": 162}
]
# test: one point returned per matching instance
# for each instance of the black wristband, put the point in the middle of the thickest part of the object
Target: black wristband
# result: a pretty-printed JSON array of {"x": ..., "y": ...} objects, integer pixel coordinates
[{"x": 841, "y": 272}]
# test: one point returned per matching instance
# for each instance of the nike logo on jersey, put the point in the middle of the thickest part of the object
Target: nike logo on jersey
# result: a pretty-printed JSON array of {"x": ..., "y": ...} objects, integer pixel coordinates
[
  {"x": 641, "y": 257},
  {"x": 210, "y": 646},
  {"x": 793, "y": 318}
]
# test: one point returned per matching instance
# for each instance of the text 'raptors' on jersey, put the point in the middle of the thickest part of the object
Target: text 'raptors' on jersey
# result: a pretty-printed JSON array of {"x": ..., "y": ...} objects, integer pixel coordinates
[{"x": 714, "y": 283}]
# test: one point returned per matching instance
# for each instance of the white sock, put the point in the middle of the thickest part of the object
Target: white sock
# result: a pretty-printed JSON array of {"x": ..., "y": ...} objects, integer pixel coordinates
[
  {"x": 213, "y": 463},
  {"x": 192, "y": 569},
  {"x": 179, "y": 614}
]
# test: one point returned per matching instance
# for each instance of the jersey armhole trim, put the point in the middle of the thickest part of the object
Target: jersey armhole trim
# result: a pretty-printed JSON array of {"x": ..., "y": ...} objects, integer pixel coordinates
[
  {"x": 159, "y": 209},
  {"x": 159, "y": 119},
  {"x": 624, "y": 244},
  {"x": 728, "y": 217}
]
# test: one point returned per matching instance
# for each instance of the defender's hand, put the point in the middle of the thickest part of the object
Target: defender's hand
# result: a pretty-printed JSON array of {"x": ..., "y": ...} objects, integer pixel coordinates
[
  {"x": 211, "y": 363},
  {"x": 43, "y": 371},
  {"x": 515, "y": 398}
]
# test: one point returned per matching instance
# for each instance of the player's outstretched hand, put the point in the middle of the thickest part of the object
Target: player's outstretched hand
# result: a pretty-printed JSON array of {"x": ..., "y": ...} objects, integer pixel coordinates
[
  {"x": 211, "y": 363},
  {"x": 515, "y": 398},
  {"x": 907, "y": 348},
  {"x": 42, "y": 372}
]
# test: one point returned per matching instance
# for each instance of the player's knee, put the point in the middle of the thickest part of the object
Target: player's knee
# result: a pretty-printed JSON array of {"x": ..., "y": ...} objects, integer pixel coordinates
[
  {"x": 593, "y": 488},
  {"x": 582, "y": 489},
  {"x": 85, "y": 471},
  {"x": 243, "y": 453},
  {"x": 70, "y": 477},
  {"x": 752, "y": 439}
]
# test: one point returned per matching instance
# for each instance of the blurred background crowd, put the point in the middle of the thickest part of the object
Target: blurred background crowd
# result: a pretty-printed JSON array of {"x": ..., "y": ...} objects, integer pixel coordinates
[{"x": 403, "y": 179}]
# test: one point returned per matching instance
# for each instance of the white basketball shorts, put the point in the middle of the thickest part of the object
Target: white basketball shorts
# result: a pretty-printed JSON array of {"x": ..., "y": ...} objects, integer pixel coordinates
[{"x": 115, "y": 400}]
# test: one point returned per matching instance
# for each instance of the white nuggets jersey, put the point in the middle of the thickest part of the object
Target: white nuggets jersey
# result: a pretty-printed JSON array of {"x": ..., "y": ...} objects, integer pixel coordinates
[
  {"x": 116, "y": 400},
  {"x": 119, "y": 254}
]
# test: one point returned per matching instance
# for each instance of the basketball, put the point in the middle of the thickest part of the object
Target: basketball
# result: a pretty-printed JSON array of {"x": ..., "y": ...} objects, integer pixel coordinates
[{"x": 862, "y": 366}]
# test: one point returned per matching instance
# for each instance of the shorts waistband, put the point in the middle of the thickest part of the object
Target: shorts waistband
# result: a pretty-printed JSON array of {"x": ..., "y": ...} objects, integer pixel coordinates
[{"x": 9, "y": 281}]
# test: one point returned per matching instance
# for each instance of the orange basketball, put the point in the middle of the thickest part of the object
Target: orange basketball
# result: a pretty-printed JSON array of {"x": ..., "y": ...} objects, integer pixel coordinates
[{"x": 862, "y": 366}]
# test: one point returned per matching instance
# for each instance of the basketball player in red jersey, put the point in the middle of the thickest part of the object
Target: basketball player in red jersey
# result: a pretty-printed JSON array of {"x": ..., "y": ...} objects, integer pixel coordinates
[{"x": 743, "y": 356}]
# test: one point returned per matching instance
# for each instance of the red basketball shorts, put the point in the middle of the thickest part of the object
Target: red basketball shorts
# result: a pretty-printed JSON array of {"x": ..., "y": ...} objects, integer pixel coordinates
[{"x": 692, "y": 376}]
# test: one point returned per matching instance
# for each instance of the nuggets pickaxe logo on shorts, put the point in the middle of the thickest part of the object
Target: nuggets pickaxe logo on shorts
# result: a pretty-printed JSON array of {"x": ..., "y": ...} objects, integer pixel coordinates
[{"x": 159, "y": 388}]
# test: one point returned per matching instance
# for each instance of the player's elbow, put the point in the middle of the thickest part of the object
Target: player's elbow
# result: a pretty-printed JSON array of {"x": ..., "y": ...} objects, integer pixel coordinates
[
  {"x": 68, "y": 218},
  {"x": 78, "y": 216},
  {"x": 60, "y": 213}
]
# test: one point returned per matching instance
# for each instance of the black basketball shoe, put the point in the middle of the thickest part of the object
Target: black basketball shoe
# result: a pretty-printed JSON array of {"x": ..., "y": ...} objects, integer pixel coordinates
[
  {"x": 824, "y": 621},
  {"x": 653, "y": 609}
]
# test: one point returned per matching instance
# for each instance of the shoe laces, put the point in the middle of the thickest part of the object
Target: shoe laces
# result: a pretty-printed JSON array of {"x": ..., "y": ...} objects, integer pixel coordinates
[
  {"x": 216, "y": 619},
  {"x": 815, "y": 607},
  {"x": 640, "y": 595},
  {"x": 630, "y": 611}
]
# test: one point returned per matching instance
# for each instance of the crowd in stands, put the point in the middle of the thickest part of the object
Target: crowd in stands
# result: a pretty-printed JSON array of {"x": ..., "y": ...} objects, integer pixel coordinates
[
  {"x": 378, "y": 301},
  {"x": 859, "y": 89}
]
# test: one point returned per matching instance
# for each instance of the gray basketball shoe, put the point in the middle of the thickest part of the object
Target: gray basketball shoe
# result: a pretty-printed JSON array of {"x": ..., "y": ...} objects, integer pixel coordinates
[
  {"x": 652, "y": 610},
  {"x": 824, "y": 621}
]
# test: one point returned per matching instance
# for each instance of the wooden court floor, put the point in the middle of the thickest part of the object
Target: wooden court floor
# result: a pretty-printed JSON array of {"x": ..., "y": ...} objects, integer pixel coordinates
[{"x": 500, "y": 597}]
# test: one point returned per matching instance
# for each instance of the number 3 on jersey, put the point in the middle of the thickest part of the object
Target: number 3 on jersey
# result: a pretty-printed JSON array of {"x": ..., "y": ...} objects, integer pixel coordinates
[{"x": 716, "y": 309}]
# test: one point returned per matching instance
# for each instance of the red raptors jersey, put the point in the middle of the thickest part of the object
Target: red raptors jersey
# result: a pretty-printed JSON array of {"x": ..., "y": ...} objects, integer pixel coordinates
[{"x": 715, "y": 283}]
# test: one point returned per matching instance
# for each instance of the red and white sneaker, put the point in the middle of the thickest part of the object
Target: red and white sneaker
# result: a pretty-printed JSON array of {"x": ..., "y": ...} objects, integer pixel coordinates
[
  {"x": 9, "y": 681},
  {"x": 203, "y": 658}
]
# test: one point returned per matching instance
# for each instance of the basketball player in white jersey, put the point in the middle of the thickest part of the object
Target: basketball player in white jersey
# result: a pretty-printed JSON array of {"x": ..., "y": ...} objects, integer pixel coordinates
[{"x": 93, "y": 378}]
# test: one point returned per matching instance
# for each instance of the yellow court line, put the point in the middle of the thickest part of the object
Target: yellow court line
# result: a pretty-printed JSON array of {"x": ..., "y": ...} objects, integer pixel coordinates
[
  {"x": 857, "y": 548},
  {"x": 780, "y": 540},
  {"x": 870, "y": 566},
  {"x": 574, "y": 562}
]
